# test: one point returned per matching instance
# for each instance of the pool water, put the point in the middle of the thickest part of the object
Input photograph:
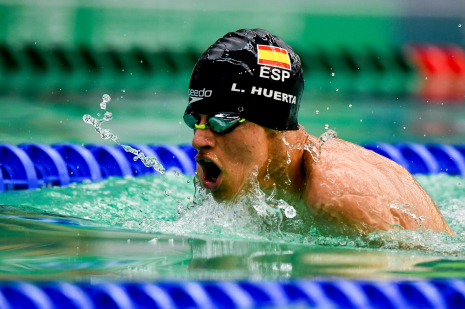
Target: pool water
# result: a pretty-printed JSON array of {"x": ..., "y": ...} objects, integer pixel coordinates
[{"x": 156, "y": 227}]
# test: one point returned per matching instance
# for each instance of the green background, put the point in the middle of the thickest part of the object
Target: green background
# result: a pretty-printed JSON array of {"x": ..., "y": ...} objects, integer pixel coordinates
[{"x": 59, "y": 57}]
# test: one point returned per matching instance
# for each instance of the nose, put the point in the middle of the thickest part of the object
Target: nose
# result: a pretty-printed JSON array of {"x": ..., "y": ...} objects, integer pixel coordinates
[{"x": 203, "y": 138}]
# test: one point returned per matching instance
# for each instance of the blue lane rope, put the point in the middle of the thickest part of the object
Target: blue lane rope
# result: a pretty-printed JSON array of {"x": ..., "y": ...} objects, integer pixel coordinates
[
  {"x": 29, "y": 166},
  {"x": 334, "y": 293}
]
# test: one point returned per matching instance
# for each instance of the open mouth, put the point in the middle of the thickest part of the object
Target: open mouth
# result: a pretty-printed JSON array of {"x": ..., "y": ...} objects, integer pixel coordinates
[{"x": 211, "y": 173}]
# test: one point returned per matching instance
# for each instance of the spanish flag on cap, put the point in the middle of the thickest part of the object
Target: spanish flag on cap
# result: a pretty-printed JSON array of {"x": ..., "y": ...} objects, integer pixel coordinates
[{"x": 273, "y": 56}]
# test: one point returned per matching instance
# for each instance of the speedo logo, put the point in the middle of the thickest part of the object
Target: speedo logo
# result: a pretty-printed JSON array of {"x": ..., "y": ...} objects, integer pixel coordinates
[{"x": 197, "y": 95}]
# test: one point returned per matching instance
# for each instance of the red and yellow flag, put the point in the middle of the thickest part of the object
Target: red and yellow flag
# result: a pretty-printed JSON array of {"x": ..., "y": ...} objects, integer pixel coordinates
[{"x": 273, "y": 56}]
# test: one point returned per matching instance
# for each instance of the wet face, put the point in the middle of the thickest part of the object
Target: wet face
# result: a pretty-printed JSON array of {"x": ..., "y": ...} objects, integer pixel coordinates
[{"x": 226, "y": 161}]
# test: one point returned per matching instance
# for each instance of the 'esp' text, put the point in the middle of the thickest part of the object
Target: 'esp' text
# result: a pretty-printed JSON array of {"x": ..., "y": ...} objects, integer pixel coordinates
[{"x": 274, "y": 74}]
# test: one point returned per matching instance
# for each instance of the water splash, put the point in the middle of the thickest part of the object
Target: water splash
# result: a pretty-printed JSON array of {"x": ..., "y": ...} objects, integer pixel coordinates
[
  {"x": 149, "y": 161},
  {"x": 267, "y": 175},
  {"x": 409, "y": 210},
  {"x": 309, "y": 147},
  {"x": 251, "y": 215},
  {"x": 327, "y": 136},
  {"x": 139, "y": 203},
  {"x": 289, "y": 148}
]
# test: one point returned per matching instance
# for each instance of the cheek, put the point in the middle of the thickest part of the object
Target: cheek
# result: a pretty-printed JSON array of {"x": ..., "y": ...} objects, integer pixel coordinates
[{"x": 247, "y": 149}]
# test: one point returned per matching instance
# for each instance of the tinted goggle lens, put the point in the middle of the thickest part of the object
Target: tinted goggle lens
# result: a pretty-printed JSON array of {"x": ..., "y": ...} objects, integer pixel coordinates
[
  {"x": 190, "y": 120},
  {"x": 218, "y": 123}
]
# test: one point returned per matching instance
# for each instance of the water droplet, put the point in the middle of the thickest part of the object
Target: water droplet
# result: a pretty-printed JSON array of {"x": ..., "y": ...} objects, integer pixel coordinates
[
  {"x": 328, "y": 135},
  {"x": 426, "y": 78},
  {"x": 142, "y": 61},
  {"x": 288, "y": 182},
  {"x": 123, "y": 90},
  {"x": 98, "y": 114},
  {"x": 337, "y": 89},
  {"x": 361, "y": 120},
  {"x": 326, "y": 126},
  {"x": 267, "y": 176},
  {"x": 290, "y": 212},
  {"x": 103, "y": 105},
  {"x": 177, "y": 173},
  {"x": 108, "y": 116},
  {"x": 167, "y": 192},
  {"x": 87, "y": 118},
  {"x": 460, "y": 25},
  {"x": 350, "y": 105},
  {"x": 106, "y": 134},
  {"x": 327, "y": 108},
  {"x": 404, "y": 128},
  {"x": 317, "y": 112},
  {"x": 106, "y": 98},
  {"x": 332, "y": 74}
]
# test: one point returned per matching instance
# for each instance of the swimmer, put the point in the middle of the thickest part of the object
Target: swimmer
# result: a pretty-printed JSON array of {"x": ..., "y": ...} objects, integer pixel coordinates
[{"x": 244, "y": 97}]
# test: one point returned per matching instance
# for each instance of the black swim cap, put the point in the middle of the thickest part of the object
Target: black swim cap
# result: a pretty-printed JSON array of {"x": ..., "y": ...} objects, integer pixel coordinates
[{"x": 252, "y": 72}]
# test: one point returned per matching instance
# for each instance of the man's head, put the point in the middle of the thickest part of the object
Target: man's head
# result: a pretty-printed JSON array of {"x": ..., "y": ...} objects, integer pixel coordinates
[{"x": 243, "y": 88}]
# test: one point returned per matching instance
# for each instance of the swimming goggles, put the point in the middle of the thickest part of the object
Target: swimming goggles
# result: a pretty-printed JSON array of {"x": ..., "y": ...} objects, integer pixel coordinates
[{"x": 222, "y": 122}]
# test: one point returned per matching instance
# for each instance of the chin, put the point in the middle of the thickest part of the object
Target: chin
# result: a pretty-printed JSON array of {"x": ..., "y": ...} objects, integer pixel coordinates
[{"x": 222, "y": 194}]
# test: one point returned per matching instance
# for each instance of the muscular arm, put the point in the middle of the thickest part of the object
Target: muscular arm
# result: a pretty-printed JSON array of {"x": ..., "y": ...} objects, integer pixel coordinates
[{"x": 361, "y": 191}]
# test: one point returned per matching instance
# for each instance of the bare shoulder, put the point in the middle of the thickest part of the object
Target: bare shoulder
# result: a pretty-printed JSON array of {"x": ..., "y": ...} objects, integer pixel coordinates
[{"x": 349, "y": 184}]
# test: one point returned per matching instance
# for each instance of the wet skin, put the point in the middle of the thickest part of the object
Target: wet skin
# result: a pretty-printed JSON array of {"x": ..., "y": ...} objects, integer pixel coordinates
[{"x": 346, "y": 188}]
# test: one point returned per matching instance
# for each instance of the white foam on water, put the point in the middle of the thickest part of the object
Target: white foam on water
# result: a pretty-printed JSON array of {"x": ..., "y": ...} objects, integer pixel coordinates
[{"x": 140, "y": 204}]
